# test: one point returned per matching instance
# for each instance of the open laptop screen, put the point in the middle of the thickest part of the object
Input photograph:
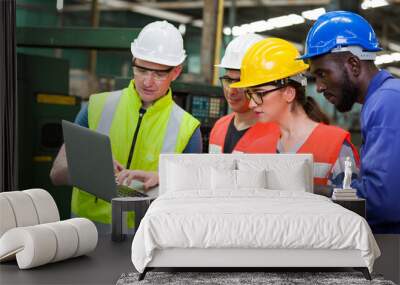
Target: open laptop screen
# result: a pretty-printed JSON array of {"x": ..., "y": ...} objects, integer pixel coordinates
[{"x": 89, "y": 159}]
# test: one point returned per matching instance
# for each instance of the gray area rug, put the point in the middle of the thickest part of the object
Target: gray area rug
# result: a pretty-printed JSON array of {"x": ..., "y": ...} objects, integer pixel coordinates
[{"x": 229, "y": 278}]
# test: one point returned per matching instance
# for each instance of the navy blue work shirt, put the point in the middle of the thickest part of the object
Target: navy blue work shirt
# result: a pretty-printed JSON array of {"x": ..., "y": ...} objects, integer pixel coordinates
[{"x": 379, "y": 180}]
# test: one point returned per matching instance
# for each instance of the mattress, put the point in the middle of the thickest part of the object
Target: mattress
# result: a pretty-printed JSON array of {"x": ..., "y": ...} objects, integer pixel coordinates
[{"x": 250, "y": 219}]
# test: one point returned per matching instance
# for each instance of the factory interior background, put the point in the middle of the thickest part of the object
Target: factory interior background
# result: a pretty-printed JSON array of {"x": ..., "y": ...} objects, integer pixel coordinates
[
  {"x": 67, "y": 50},
  {"x": 70, "y": 49}
]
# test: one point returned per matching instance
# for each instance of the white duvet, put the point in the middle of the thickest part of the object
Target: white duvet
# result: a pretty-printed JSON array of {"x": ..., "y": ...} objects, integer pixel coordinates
[{"x": 252, "y": 218}]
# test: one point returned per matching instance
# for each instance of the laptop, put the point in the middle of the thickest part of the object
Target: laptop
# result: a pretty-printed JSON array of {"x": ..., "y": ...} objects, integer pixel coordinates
[{"x": 90, "y": 163}]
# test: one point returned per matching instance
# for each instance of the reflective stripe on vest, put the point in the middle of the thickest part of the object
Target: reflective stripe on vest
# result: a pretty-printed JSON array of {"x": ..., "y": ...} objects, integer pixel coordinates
[
  {"x": 321, "y": 170},
  {"x": 113, "y": 113},
  {"x": 107, "y": 115},
  {"x": 214, "y": 148},
  {"x": 325, "y": 143},
  {"x": 174, "y": 124},
  {"x": 174, "y": 121}
]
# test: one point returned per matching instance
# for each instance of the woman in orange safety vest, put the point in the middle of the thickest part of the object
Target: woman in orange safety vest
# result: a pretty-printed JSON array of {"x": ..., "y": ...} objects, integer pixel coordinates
[
  {"x": 235, "y": 132},
  {"x": 272, "y": 76}
]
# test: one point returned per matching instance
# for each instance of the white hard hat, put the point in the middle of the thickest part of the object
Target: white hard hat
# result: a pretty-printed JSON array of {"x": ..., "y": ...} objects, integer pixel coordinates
[
  {"x": 159, "y": 42},
  {"x": 236, "y": 50}
]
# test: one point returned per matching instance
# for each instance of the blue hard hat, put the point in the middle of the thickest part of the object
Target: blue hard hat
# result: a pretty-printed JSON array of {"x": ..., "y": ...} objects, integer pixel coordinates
[{"x": 339, "y": 29}]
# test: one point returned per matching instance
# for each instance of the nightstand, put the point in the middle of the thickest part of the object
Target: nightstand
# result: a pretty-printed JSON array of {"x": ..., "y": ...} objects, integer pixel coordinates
[
  {"x": 356, "y": 205},
  {"x": 120, "y": 206}
]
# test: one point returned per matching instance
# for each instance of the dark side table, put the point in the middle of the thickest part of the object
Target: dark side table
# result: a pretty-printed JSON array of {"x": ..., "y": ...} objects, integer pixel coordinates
[
  {"x": 120, "y": 205},
  {"x": 356, "y": 205}
]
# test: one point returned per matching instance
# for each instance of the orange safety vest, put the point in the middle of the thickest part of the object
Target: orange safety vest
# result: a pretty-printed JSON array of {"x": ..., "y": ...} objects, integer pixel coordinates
[
  {"x": 325, "y": 143},
  {"x": 269, "y": 131}
]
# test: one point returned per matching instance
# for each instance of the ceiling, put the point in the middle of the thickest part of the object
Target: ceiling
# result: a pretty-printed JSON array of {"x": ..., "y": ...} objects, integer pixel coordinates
[
  {"x": 384, "y": 19},
  {"x": 190, "y": 12}
]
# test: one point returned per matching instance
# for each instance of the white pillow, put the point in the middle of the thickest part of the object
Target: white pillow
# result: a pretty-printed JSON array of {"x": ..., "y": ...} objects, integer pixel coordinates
[
  {"x": 191, "y": 172},
  {"x": 251, "y": 178},
  {"x": 291, "y": 177},
  {"x": 280, "y": 174},
  {"x": 185, "y": 177},
  {"x": 227, "y": 179},
  {"x": 223, "y": 179}
]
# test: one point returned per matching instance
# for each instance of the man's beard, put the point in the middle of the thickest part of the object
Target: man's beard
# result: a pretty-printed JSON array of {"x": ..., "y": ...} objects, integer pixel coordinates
[{"x": 348, "y": 94}]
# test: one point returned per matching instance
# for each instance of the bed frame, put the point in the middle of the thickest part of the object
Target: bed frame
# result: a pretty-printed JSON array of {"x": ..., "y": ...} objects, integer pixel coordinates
[{"x": 245, "y": 258}]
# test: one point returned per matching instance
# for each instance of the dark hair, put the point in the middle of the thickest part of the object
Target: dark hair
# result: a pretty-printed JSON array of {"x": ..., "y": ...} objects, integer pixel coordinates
[{"x": 310, "y": 106}]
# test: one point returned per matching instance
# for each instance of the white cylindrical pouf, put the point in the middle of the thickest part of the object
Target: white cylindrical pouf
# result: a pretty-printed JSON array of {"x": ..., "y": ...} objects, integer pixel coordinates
[
  {"x": 23, "y": 207},
  {"x": 33, "y": 246},
  {"x": 87, "y": 234},
  {"x": 45, "y": 205},
  {"x": 7, "y": 218},
  {"x": 66, "y": 237}
]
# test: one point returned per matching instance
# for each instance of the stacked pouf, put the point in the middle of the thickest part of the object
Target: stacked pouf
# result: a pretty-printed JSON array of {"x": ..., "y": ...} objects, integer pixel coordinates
[{"x": 31, "y": 230}]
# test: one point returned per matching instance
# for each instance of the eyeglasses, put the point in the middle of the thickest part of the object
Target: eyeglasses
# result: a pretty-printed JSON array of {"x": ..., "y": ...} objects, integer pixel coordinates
[
  {"x": 158, "y": 75},
  {"x": 257, "y": 96},
  {"x": 227, "y": 81}
]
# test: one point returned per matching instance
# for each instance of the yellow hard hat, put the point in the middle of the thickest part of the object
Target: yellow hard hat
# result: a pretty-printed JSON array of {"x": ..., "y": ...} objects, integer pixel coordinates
[{"x": 269, "y": 60}]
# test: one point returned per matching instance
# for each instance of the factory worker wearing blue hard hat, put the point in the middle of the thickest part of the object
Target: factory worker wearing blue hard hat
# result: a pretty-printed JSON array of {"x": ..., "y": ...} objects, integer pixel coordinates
[{"x": 341, "y": 48}]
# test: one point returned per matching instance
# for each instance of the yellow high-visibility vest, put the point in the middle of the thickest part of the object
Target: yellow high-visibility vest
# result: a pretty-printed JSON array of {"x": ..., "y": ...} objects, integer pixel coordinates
[{"x": 164, "y": 128}]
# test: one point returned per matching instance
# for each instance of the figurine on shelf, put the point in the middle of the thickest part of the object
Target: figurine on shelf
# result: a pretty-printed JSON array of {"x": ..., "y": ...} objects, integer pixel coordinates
[{"x": 347, "y": 173}]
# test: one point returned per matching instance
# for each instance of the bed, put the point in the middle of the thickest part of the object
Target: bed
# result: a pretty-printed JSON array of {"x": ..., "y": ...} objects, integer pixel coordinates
[{"x": 247, "y": 211}]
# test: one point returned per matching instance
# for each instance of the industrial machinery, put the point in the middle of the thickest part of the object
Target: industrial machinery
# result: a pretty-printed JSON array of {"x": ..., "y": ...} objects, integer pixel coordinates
[{"x": 43, "y": 101}]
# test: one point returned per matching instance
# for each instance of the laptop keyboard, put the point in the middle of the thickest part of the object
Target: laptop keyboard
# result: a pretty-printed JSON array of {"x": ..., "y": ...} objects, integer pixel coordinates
[{"x": 125, "y": 191}]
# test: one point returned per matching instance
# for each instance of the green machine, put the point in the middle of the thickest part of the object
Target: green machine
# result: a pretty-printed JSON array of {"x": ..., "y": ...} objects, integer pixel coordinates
[
  {"x": 205, "y": 102},
  {"x": 43, "y": 101}
]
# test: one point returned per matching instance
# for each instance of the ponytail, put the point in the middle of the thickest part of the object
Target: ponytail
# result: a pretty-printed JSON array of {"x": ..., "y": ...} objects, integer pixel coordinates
[
  {"x": 314, "y": 112},
  {"x": 310, "y": 106}
]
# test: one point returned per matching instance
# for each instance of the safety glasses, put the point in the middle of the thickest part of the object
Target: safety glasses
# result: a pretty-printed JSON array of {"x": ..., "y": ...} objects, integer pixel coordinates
[
  {"x": 257, "y": 95},
  {"x": 158, "y": 75},
  {"x": 226, "y": 81}
]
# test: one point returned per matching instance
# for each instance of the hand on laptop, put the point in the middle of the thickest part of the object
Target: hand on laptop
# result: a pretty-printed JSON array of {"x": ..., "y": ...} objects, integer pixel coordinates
[
  {"x": 149, "y": 178},
  {"x": 118, "y": 167}
]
